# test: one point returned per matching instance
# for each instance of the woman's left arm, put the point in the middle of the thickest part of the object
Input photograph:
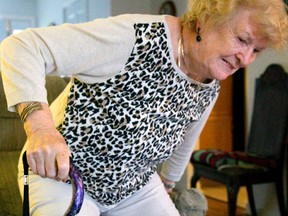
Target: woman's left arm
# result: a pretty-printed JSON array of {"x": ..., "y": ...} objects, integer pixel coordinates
[{"x": 175, "y": 166}]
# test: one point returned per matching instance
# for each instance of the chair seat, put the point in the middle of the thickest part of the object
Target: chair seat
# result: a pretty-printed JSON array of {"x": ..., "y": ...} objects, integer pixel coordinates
[
  {"x": 237, "y": 161},
  {"x": 241, "y": 170}
]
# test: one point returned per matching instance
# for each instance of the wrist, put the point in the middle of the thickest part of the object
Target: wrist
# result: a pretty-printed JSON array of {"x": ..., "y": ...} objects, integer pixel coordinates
[
  {"x": 29, "y": 109},
  {"x": 169, "y": 185},
  {"x": 38, "y": 121}
]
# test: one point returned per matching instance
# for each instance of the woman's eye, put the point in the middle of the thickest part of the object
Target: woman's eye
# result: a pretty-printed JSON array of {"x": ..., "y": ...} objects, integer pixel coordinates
[{"x": 241, "y": 40}]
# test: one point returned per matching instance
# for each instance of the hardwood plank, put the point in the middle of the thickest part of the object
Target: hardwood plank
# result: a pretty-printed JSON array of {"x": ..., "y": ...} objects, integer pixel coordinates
[{"x": 220, "y": 208}]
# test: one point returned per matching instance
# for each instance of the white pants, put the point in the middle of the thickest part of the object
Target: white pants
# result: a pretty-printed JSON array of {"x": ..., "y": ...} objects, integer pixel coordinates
[{"x": 52, "y": 198}]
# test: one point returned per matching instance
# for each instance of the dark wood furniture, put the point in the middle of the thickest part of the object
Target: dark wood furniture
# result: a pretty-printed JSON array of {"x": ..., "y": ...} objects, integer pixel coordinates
[{"x": 263, "y": 161}]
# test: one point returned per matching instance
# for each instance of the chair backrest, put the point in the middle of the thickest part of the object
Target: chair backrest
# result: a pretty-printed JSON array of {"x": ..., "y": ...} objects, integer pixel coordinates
[{"x": 270, "y": 114}]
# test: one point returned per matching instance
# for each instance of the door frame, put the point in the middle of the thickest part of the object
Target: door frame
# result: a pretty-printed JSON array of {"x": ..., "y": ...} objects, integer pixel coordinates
[{"x": 238, "y": 111}]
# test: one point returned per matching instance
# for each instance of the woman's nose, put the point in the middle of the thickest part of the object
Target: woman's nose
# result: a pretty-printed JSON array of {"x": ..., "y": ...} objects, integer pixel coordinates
[{"x": 246, "y": 57}]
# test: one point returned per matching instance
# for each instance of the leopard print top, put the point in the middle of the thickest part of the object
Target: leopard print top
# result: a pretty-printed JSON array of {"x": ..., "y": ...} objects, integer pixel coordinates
[{"x": 119, "y": 130}]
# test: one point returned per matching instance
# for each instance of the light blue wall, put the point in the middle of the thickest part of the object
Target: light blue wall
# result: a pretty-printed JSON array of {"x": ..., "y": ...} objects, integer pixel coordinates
[
  {"x": 99, "y": 9},
  {"x": 18, "y": 7},
  {"x": 46, "y": 12},
  {"x": 52, "y": 11},
  {"x": 15, "y": 9}
]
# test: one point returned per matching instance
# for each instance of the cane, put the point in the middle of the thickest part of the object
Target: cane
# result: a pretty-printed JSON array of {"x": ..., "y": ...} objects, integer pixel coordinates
[{"x": 77, "y": 184}]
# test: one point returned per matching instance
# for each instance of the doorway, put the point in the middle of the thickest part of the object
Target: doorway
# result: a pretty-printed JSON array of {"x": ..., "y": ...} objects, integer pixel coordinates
[{"x": 225, "y": 127}]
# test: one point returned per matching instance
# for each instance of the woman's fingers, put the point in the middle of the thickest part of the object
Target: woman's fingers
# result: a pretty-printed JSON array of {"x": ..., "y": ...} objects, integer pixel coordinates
[
  {"x": 50, "y": 166},
  {"x": 48, "y": 155},
  {"x": 62, "y": 163},
  {"x": 32, "y": 163},
  {"x": 53, "y": 165},
  {"x": 36, "y": 162}
]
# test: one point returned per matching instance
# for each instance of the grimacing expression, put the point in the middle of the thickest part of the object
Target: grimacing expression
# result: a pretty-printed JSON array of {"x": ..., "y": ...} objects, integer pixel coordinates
[{"x": 226, "y": 48}]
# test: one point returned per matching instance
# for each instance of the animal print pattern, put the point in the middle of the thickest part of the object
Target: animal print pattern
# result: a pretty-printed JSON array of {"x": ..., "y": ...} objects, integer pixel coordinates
[{"x": 119, "y": 130}]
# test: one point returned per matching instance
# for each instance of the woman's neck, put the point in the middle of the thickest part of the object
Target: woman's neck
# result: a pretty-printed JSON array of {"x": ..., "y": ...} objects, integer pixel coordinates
[{"x": 183, "y": 60}]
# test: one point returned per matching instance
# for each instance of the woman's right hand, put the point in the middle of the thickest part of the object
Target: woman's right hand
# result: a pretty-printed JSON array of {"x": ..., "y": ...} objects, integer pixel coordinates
[
  {"x": 48, "y": 154},
  {"x": 46, "y": 149}
]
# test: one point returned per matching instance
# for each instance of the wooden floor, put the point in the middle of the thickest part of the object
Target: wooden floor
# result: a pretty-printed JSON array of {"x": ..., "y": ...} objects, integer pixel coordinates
[{"x": 220, "y": 208}]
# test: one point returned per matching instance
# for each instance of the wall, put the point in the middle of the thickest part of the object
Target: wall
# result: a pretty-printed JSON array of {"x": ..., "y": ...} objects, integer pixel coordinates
[
  {"x": 99, "y": 8},
  {"x": 181, "y": 6},
  {"x": 15, "y": 9},
  {"x": 145, "y": 6},
  {"x": 44, "y": 13},
  {"x": 263, "y": 193},
  {"x": 47, "y": 12},
  {"x": 52, "y": 11},
  {"x": 256, "y": 69},
  {"x": 18, "y": 7},
  {"x": 127, "y": 6}
]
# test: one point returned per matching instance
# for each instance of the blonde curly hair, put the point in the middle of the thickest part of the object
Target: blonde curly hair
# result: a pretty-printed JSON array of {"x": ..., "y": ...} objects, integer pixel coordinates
[{"x": 270, "y": 16}]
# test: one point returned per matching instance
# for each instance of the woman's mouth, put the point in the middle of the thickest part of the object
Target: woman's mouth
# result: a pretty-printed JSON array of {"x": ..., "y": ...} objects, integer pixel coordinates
[{"x": 229, "y": 64}]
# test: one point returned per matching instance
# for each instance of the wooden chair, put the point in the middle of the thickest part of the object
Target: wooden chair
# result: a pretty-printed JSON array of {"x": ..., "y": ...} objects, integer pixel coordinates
[{"x": 263, "y": 160}]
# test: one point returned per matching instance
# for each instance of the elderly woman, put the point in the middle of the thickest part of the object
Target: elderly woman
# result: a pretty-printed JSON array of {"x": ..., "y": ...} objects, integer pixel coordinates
[{"x": 142, "y": 88}]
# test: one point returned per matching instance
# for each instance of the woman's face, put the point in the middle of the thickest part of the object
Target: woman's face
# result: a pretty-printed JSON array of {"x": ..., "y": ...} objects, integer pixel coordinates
[{"x": 226, "y": 48}]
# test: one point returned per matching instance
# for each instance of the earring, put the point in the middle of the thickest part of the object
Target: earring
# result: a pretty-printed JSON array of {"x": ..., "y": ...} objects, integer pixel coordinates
[{"x": 198, "y": 36}]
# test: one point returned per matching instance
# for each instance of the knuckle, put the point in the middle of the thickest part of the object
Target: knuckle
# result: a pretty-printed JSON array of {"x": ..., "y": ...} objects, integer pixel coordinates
[
  {"x": 63, "y": 168},
  {"x": 41, "y": 173},
  {"x": 35, "y": 154},
  {"x": 33, "y": 169},
  {"x": 51, "y": 173},
  {"x": 63, "y": 171}
]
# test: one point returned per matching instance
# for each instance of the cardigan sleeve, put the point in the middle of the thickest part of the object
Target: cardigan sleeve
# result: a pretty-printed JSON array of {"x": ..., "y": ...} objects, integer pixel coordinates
[
  {"x": 92, "y": 52},
  {"x": 175, "y": 166}
]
